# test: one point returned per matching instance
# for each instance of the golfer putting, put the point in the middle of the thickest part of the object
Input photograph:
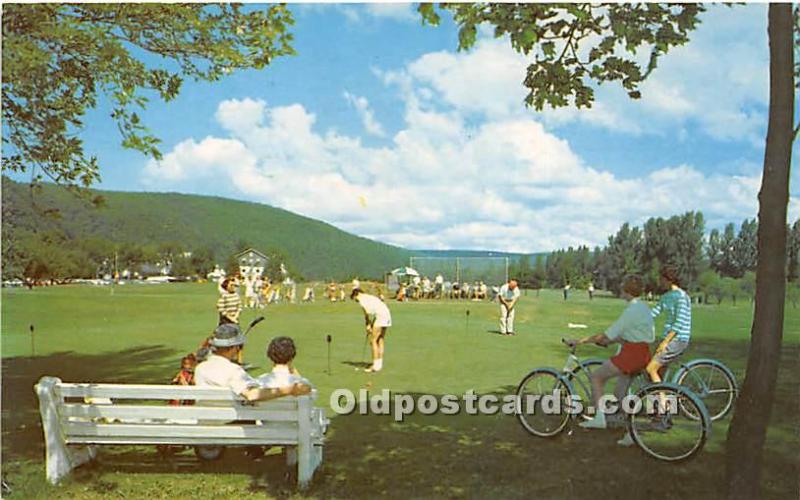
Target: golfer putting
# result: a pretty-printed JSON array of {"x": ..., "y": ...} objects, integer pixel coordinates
[{"x": 377, "y": 319}]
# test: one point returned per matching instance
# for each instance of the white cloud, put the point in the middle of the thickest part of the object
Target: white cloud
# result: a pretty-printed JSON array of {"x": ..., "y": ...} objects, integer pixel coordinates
[
  {"x": 365, "y": 13},
  {"x": 717, "y": 83},
  {"x": 470, "y": 167},
  {"x": 241, "y": 115},
  {"x": 396, "y": 11},
  {"x": 506, "y": 184},
  {"x": 361, "y": 104},
  {"x": 189, "y": 158}
]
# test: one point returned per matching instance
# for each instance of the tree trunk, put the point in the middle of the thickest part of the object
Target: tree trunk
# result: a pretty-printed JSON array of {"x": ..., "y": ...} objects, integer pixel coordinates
[{"x": 747, "y": 432}]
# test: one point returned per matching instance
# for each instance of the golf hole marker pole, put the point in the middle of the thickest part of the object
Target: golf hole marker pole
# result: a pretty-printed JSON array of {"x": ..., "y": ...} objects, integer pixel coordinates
[
  {"x": 328, "y": 340},
  {"x": 33, "y": 345},
  {"x": 466, "y": 331}
]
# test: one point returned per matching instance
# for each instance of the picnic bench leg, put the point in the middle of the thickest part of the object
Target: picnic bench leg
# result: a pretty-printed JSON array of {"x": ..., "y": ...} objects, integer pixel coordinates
[
  {"x": 305, "y": 469},
  {"x": 291, "y": 455},
  {"x": 316, "y": 457},
  {"x": 319, "y": 425},
  {"x": 60, "y": 460}
]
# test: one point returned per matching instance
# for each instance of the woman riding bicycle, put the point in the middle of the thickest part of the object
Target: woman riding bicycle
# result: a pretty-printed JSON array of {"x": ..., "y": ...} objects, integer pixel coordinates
[
  {"x": 634, "y": 330},
  {"x": 678, "y": 327}
]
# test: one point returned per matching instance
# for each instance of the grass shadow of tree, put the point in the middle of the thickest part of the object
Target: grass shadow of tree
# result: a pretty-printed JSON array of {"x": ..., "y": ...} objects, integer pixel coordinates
[
  {"x": 22, "y": 432},
  {"x": 424, "y": 456}
]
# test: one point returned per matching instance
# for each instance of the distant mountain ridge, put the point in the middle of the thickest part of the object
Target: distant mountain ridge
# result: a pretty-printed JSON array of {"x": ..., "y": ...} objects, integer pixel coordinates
[{"x": 314, "y": 248}]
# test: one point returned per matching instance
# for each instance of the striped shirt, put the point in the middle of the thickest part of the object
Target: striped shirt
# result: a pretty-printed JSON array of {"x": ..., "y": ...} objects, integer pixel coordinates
[
  {"x": 229, "y": 305},
  {"x": 678, "y": 306}
]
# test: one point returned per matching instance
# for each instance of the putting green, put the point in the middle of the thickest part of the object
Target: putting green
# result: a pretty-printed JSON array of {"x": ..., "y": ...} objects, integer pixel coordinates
[{"x": 137, "y": 333}]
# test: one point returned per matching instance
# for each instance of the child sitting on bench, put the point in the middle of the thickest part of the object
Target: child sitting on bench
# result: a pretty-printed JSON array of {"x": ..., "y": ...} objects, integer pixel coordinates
[{"x": 282, "y": 351}]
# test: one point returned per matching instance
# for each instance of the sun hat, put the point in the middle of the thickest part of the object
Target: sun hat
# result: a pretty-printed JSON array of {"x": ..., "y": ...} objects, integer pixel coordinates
[{"x": 227, "y": 335}]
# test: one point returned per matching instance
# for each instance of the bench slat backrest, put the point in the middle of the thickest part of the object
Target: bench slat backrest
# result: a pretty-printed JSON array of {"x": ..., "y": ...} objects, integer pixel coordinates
[
  {"x": 272, "y": 413},
  {"x": 143, "y": 391},
  {"x": 140, "y": 413}
]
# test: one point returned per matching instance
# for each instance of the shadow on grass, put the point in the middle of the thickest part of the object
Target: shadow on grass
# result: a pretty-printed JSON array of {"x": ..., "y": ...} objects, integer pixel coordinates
[
  {"x": 21, "y": 423},
  {"x": 357, "y": 364},
  {"x": 368, "y": 456}
]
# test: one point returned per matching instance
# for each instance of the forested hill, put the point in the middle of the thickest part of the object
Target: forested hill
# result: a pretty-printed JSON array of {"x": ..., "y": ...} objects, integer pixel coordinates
[{"x": 314, "y": 249}]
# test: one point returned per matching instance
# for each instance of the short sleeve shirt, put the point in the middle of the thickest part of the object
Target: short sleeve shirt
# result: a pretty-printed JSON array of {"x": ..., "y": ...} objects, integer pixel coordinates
[
  {"x": 634, "y": 325},
  {"x": 678, "y": 306},
  {"x": 509, "y": 294},
  {"x": 373, "y": 306},
  {"x": 280, "y": 376},
  {"x": 217, "y": 371}
]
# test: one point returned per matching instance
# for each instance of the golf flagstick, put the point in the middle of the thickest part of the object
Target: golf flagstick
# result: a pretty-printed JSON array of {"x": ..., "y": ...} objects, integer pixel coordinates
[
  {"x": 466, "y": 331},
  {"x": 328, "y": 339}
]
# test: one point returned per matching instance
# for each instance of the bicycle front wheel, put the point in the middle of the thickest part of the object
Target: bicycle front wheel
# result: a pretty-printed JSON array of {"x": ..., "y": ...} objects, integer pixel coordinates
[
  {"x": 712, "y": 383},
  {"x": 542, "y": 401},
  {"x": 671, "y": 423}
]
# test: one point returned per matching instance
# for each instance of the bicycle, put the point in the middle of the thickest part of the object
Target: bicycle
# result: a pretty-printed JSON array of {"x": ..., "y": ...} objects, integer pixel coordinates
[
  {"x": 712, "y": 381},
  {"x": 670, "y": 422}
]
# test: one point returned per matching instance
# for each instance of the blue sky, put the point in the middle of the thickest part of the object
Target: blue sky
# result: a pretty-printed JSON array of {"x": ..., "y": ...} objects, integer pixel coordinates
[{"x": 380, "y": 127}]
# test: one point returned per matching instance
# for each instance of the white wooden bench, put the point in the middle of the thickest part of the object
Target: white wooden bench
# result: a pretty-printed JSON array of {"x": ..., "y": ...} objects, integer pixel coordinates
[{"x": 75, "y": 419}]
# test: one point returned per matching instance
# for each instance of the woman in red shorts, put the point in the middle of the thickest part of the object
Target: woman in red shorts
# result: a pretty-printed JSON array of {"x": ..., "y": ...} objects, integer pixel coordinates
[{"x": 634, "y": 330}]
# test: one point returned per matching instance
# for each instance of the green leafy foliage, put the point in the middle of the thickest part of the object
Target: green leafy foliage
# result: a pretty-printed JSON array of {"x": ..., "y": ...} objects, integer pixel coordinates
[
  {"x": 575, "y": 44},
  {"x": 732, "y": 255},
  {"x": 57, "y": 58},
  {"x": 148, "y": 228},
  {"x": 793, "y": 241},
  {"x": 711, "y": 285}
]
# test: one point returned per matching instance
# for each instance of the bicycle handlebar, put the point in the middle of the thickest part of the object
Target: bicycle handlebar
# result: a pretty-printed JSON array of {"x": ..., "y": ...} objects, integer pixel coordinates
[{"x": 573, "y": 348}]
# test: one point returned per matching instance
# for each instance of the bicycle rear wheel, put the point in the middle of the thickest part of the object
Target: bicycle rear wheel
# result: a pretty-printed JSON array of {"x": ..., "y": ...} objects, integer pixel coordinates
[
  {"x": 672, "y": 423},
  {"x": 543, "y": 398},
  {"x": 713, "y": 383}
]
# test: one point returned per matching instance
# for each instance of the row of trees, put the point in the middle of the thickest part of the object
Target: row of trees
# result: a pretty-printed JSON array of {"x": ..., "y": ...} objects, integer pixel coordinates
[
  {"x": 721, "y": 265},
  {"x": 41, "y": 256},
  {"x": 37, "y": 256}
]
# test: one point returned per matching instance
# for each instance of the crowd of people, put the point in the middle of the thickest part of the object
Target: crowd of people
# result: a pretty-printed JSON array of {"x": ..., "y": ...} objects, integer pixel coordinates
[
  {"x": 219, "y": 361},
  {"x": 229, "y": 307},
  {"x": 259, "y": 291},
  {"x": 416, "y": 288}
]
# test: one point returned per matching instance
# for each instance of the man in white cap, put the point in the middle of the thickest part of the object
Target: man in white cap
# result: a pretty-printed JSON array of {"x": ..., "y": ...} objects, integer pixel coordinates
[{"x": 220, "y": 370}]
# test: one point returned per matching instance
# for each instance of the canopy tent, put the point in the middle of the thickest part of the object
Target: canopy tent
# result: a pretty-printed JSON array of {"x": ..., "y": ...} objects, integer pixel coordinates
[{"x": 405, "y": 271}]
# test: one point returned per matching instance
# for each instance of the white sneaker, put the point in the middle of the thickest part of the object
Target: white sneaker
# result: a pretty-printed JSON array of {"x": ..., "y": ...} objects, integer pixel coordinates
[
  {"x": 598, "y": 422},
  {"x": 627, "y": 440}
]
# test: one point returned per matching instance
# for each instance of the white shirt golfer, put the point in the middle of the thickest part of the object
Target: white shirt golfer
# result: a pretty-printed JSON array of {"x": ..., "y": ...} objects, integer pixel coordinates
[
  {"x": 508, "y": 296},
  {"x": 373, "y": 306},
  {"x": 378, "y": 320}
]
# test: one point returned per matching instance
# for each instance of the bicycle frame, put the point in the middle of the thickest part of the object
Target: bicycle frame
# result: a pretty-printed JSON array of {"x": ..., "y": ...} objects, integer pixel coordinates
[{"x": 573, "y": 367}]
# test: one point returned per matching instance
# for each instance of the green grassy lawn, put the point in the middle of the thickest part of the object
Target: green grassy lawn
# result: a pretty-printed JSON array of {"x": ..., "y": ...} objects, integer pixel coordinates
[{"x": 138, "y": 333}]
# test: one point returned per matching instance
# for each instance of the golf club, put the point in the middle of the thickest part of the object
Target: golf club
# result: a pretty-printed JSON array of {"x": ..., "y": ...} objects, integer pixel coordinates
[
  {"x": 364, "y": 349},
  {"x": 253, "y": 323}
]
